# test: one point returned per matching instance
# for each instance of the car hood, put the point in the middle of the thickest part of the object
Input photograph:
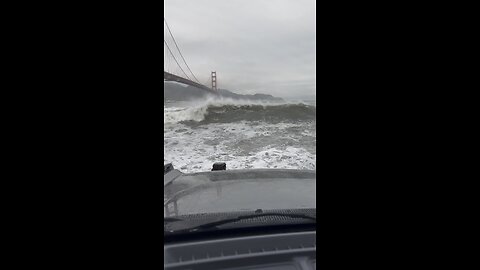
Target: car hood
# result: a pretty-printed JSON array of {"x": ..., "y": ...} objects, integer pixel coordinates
[{"x": 237, "y": 190}]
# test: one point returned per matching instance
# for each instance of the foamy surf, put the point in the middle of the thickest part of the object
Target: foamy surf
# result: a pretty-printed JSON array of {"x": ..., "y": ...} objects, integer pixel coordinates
[{"x": 228, "y": 110}]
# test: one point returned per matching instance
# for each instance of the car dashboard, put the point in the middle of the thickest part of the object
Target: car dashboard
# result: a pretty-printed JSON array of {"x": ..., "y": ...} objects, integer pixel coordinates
[{"x": 285, "y": 251}]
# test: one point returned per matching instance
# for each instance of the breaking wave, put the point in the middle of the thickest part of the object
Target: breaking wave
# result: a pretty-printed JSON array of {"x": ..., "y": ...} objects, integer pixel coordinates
[{"x": 229, "y": 111}]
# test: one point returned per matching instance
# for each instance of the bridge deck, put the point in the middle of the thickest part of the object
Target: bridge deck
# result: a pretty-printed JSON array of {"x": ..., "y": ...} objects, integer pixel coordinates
[{"x": 174, "y": 78}]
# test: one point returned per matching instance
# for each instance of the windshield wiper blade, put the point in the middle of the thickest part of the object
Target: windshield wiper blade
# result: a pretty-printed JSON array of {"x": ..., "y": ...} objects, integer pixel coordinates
[
  {"x": 171, "y": 219},
  {"x": 238, "y": 218}
]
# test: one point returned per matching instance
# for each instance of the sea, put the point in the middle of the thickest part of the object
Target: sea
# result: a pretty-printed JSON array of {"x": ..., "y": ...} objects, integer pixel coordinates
[{"x": 244, "y": 134}]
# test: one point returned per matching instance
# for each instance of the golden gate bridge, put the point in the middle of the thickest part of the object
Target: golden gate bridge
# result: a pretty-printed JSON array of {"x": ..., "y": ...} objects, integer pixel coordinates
[{"x": 175, "y": 67}]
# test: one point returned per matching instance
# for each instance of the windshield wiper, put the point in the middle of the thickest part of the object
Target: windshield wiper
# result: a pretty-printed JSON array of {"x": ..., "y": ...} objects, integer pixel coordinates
[
  {"x": 171, "y": 219},
  {"x": 214, "y": 224}
]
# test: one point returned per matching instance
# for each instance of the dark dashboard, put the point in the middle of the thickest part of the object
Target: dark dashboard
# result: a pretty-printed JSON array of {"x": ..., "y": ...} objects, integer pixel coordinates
[{"x": 294, "y": 251}]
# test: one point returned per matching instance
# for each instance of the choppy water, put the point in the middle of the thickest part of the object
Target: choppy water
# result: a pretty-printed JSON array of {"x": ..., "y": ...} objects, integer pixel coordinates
[{"x": 244, "y": 134}]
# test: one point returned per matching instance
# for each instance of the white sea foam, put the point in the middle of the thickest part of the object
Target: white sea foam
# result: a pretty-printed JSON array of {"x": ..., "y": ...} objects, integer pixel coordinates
[
  {"x": 175, "y": 115},
  {"x": 241, "y": 145}
]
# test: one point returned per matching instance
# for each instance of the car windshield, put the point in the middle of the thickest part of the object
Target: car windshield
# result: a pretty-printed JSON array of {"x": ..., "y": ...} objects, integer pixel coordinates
[
  {"x": 241, "y": 191},
  {"x": 239, "y": 92}
]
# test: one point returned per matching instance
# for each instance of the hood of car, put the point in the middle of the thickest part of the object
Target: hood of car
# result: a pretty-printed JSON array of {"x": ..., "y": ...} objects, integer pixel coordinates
[{"x": 237, "y": 190}]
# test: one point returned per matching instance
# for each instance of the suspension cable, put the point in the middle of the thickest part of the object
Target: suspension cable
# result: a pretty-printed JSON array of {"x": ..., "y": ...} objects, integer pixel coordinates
[
  {"x": 175, "y": 59},
  {"x": 179, "y": 49}
]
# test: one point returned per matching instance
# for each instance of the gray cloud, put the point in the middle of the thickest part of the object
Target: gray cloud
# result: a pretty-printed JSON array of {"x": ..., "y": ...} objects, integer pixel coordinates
[{"x": 263, "y": 46}]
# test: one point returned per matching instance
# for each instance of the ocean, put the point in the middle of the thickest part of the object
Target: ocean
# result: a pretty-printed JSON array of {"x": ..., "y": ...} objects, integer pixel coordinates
[{"x": 243, "y": 134}]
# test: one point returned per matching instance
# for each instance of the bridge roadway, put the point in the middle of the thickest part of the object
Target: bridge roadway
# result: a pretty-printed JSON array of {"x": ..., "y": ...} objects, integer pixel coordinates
[{"x": 174, "y": 78}]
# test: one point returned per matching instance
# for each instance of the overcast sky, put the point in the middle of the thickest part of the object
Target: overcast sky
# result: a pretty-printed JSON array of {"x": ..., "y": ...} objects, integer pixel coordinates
[{"x": 256, "y": 46}]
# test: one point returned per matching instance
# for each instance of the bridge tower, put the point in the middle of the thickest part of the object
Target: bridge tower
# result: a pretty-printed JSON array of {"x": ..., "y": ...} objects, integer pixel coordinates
[{"x": 214, "y": 80}]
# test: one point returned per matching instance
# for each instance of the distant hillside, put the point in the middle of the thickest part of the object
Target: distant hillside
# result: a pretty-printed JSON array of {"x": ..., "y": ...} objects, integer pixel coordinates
[
  {"x": 229, "y": 94},
  {"x": 178, "y": 92}
]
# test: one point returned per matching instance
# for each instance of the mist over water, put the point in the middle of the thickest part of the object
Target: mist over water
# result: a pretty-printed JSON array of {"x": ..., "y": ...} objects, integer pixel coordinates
[{"x": 244, "y": 134}]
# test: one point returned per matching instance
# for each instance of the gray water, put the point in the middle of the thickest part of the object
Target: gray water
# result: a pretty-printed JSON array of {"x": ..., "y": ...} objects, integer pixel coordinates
[{"x": 244, "y": 134}]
